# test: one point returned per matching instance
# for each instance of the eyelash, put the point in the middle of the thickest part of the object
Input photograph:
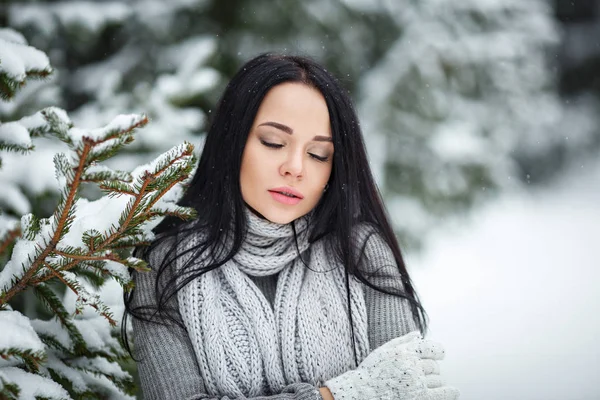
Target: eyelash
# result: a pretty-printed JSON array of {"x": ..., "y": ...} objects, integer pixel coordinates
[{"x": 278, "y": 146}]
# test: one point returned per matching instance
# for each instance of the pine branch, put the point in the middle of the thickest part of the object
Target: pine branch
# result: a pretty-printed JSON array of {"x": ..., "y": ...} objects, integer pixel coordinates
[
  {"x": 9, "y": 390},
  {"x": 54, "y": 304},
  {"x": 41, "y": 253},
  {"x": 53, "y": 343},
  {"x": 31, "y": 359},
  {"x": 100, "y": 308},
  {"x": 30, "y": 63},
  {"x": 84, "y": 257},
  {"x": 70, "y": 379},
  {"x": 9, "y": 238},
  {"x": 22, "y": 283},
  {"x": 60, "y": 278},
  {"x": 41, "y": 382},
  {"x": 15, "y": 148},
  {"x": 93, "y": 277},
  {"x": 64, "y": 214},
  {"x": 9, "y": 86},
  {"x": 101, "y": 174},
  {"x": 116, "y": 188}
]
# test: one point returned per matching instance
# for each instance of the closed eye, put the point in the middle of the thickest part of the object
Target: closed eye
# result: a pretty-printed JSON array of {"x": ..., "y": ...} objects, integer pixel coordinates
[
  {"x": 271, "y": 145},
  {"x": 279, "y": 146},
  {"x": 318, "y": 158}
]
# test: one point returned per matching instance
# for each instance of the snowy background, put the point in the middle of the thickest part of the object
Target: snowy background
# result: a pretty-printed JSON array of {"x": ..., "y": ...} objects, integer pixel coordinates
[{"x": 514, "y": 293}]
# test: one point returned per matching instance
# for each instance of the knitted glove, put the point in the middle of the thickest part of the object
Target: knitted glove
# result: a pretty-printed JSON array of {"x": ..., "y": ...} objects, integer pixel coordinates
[
  {"x": 412, "y": 343},
  {"x": 404, "y": 368}
]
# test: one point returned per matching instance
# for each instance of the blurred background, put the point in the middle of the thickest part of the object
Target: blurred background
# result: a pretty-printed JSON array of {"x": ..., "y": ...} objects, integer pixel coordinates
[{"x": 482, "y": 121}]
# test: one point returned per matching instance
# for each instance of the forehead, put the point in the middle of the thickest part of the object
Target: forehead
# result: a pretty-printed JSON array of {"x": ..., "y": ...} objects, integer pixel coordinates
[{"x": 298, "y": 106}]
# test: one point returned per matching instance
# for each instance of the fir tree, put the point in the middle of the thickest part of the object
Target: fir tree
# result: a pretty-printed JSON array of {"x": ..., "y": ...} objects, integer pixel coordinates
[
  {"x": 72, "y": 259},
  {"x": 461, "y": 97},
  {"x": 454, "y": 97}
]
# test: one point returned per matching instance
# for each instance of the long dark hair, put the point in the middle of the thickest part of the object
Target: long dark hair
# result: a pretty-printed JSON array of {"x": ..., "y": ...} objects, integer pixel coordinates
[{"x": 214, "y": 192}]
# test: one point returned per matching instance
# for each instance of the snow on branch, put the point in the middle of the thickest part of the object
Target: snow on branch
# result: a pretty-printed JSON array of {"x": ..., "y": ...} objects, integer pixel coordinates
[
  {"x": 72, "y": 260},
  {"x": 80, "y": 246},
  {"x": 18, "y": 61}
]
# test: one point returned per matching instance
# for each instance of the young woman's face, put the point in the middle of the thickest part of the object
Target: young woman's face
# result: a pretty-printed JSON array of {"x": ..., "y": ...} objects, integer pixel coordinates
[{"x": 288, "y": 155}]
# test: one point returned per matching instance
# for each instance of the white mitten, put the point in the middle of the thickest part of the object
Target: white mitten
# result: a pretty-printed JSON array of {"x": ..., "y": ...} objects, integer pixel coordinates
[{"x": 404, "y": 368}]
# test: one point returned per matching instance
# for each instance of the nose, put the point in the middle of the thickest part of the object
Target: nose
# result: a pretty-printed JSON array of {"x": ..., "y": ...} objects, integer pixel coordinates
[{"x": 293, "y": 165}]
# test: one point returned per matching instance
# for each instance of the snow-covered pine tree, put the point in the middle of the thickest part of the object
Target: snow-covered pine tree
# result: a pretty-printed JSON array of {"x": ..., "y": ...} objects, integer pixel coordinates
[
  {"x": 465, "y": 88},
  {"x": 72, "y": 259},
  {"x": 454, "y": 97}
]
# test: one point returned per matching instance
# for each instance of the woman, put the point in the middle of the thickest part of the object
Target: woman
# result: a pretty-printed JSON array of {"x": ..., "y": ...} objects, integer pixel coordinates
[{"x": 291, "y": 275}]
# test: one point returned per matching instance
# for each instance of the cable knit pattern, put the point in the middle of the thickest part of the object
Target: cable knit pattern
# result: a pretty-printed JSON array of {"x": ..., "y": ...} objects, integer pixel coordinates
[
  {"x": 167, "y": 363},
  {"x": 246, "y": 348}
]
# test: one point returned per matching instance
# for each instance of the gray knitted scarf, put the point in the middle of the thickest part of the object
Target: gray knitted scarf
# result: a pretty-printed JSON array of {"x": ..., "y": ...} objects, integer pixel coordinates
[{"x": 244, "y": 346}]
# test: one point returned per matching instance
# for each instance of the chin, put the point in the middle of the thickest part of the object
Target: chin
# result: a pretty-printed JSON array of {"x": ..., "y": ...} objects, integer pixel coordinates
[{"x": 280, "y": 217}]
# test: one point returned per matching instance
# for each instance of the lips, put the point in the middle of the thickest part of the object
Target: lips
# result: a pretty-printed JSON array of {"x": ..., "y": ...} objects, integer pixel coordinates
[
  {"x": 288, "y": 191},
  {"x": 286, "y": 195}
]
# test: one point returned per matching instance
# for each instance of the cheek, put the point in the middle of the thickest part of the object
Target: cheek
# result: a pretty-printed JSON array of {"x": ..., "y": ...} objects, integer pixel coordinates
[
  {"x": 246, "y": 172},
  {"x": 253, "y": 167},
  {"x": 320, "y": 176}
]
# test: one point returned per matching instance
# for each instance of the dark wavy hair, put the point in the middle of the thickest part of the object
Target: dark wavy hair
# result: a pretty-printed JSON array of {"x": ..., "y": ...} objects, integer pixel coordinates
[{"x": 214, "y": 191}]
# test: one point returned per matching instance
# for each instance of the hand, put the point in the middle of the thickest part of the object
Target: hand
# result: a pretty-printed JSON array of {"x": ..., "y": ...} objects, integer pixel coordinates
[
  {"x": 404, "y": 368},
  {"x": 392, "y": 349},
  {"x": 411, "y": 343}
]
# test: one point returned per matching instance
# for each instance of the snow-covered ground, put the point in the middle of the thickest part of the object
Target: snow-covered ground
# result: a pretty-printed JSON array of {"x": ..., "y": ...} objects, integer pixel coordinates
[{"x": 514, "y": 294}]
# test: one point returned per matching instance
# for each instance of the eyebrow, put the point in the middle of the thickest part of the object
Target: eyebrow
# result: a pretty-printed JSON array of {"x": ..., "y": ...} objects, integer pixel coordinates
[{"x": 290, "y": 131}]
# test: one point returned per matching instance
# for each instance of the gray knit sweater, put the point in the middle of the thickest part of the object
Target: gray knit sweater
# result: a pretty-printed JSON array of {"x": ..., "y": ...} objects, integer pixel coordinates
[{"x": 167, "y": 364}]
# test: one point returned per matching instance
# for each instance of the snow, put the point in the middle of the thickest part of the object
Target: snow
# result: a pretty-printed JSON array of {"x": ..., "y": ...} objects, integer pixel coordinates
[
  {"x": 35, "y": 181},
  {"x": 36, "y": 121},
  {"x": 110, "y": 293},
  {"x": 35, "y": 95},
  {"x": 458, "y": 141},
  {"x": 119, "y": 123},
  {"x": 11, "y": 198},
  {"x": 19, "y": 59},
  {"x": 7, "y": 224},
  {"x": 24, "y": 251},
  {"x": 10, "y": 35},
  {"x": 190, "y": 55},
  {"x": 161, "y": 161},
  {"x": 104, "y": 78},
  {"x": 17, "y": 333},
  {"x": 101, "y": 365},
  {"x": 105, "y": 387},
  {"x": 99, "y": 169},
  {"x": 15, "y": 134},
  {"x": 117, "y": 270},
  {"x": 102, "y": 215},
  {"x": 73, "y": 375},
  {"x": 33, "y": 386},
  {"x": 86, "y": 380},
  {"x": 97, "y": 334},
  {"x": 466, "y": 87},
  {"x": 53, "y": 328},
  {"x": 513, "y": 294},
  {"x": 90, "y": 16},
  {"x": 174, "y": 87}
]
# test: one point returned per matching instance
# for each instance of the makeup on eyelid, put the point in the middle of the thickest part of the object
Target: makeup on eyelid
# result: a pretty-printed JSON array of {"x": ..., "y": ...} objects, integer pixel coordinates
[{"x": 276, "y": 145}]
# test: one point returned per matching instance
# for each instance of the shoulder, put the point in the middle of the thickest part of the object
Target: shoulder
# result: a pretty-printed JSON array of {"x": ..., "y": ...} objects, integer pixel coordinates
[
  {"x": 371, "y": 243},
  {"x": 166, "y": 247},
  {"x": 375, "y": 257}
]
